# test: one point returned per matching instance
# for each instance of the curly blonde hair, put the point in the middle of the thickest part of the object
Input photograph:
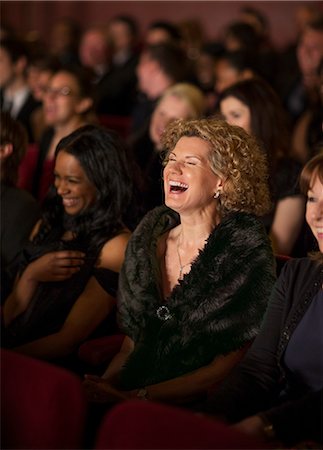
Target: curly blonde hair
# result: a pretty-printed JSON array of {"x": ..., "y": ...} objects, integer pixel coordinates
[{"x": 234, "y": 156}]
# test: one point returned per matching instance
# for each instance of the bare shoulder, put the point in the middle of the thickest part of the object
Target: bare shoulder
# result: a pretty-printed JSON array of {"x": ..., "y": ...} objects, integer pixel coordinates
[{"x": 113, "y": 251}]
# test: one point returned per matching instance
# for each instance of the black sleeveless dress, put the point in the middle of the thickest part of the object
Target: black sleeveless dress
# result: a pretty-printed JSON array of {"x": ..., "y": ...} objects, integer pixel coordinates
[{"x": 53, "y": 301}]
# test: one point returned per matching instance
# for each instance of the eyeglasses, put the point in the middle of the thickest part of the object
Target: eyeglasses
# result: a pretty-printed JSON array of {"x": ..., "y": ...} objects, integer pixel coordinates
[{"x": 58, "y": 92}]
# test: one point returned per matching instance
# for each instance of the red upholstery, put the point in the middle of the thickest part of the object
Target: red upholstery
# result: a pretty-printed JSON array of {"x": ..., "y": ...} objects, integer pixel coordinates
[
  {"x": 145, "y": 425},
  {"x": 27, "y": 168},
  {"x": 121, "y": 124},
  {"x": 43, "y": 406},
  {"x": 101, "y": 350}
]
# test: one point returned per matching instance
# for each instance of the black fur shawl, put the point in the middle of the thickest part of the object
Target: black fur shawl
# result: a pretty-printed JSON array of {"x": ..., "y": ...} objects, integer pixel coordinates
[{"x": 216, "y": 309}]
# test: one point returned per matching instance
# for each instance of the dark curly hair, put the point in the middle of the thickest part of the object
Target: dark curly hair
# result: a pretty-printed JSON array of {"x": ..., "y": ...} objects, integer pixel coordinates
[{"x": 102, "y": 156}]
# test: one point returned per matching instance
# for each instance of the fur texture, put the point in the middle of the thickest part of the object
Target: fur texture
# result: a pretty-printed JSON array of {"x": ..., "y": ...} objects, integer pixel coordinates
[{"x": 216, "y": 309}]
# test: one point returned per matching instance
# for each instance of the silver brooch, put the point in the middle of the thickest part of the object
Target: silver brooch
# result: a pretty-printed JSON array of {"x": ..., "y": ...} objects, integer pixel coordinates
[{"x": 163, "y": 313}]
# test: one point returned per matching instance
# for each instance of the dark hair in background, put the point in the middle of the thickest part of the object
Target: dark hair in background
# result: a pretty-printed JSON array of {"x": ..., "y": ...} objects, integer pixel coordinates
[
  {"x": 129, "y": 21},
  {"x": 12, "y": 132},
  {"x": 269, "y": 122},
  {"x": 171, "y": 29},
  {"x": 261, "y": 18},
  {"x": 102, "y": 156},
  {"x": 245, "y": 34},
  {"x": 171, "y": 58},
  {"x": 313, "y": 167},
  {"x": 83, "y": 77},
  {"x": 240, "y": 60},
  {"x": 15, "y": 48}
]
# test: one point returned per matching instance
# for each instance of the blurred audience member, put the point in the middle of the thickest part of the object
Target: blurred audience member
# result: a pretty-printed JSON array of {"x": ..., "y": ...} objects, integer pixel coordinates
[
  {"x": 308, "y": 130},
  {"x": 15, "y": 95},
  {"x": 67, "y": 106},
  {"x": 40, "y": 70},
  {"x": 161, "y": 32},
  {"x": 160, "y": 66},
  {"x": 254, "y": 106},
  {"x": 298, "y": 89},
  {"x": 95, "y": 51},
  {"x": 267, "y": 55},
  {"x": 19, "y": 210},
  {"x": 64, "y": 40},
  {"x": 192, "y": 37},
  {"x": 204, "y": 70},
  {"x": 231, "y": 67},
  {"x": 116, "y": 91}
]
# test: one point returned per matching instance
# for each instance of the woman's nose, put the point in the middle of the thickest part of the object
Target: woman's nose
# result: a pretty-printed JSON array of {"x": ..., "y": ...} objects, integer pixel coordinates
[
  {"x": 318, "y": 211},
  {"x": 61, "y": 187},
  {"x": 177, "y": 167}
]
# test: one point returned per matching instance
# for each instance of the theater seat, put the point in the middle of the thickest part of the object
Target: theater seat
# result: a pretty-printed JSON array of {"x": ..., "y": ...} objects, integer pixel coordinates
[
  {"x": 27, "y": 168},
  {"x": 43, "y": 406},
  {"x": 146, "y": 425},
  {"x": 121, "y": 124}
]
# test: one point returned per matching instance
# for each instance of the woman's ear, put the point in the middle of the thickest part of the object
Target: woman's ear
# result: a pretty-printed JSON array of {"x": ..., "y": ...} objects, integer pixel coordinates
[
  {"x": 84, "y": 105},
  {"x": 5, "y": 151},
  {"x": 219, "y": 185}
]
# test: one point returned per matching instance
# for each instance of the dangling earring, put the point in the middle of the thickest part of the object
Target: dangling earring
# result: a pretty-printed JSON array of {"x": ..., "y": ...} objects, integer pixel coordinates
[{"x": 217, "y": 194}]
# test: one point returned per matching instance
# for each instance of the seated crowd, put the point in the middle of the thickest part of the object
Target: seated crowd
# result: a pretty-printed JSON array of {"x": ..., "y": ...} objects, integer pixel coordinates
[{"x": 169, "y": 192}]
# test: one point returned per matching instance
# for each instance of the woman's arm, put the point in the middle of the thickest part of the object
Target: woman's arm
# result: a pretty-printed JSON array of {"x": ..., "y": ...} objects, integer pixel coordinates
[
  {"x": 291, "y": 422},
  {"x": 287, "y": 224},
  {"x": 112, "y": 373},
  {"x": 191, "y": 386},
  {"x": 53, "y": 266},
  {"x": 183, "y": 389},
  {"x": 92, "y": 306}
]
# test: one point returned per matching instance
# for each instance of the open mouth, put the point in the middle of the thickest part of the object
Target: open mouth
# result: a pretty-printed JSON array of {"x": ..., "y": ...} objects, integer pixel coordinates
[
  {"x": 177, "y": 186},
  {"x": 69, "y": 202}
]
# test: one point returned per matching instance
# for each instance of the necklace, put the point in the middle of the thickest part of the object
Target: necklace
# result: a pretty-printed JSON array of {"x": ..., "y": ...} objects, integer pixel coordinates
[{"x": 181, "y": 266}]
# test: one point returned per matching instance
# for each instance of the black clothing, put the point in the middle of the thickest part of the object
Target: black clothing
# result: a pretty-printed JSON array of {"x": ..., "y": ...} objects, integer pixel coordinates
[
  {"x": 53, "y": 301},
  {"x": 115, "y": 92},
  {"x": 217, "y": 308},
  {"x": 19, "y": 214},
  {"x": 262, "y": 382},
  {"x": 25, "y": 113}
]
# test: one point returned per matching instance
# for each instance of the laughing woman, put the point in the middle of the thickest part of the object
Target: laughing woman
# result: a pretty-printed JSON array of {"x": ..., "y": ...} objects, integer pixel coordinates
[
  {"x": 69, "y": 272},
  {"x": 198, "y": 272}
]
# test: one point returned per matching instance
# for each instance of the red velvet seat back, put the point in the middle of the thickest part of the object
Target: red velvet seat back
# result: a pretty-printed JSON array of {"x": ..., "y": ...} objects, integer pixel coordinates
[
  {"x": 147, "y": 425},
  {"x": 43, "y": 406}
]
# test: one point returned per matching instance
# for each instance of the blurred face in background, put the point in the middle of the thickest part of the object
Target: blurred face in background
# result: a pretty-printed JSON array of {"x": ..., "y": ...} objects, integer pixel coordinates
[
  {"x": 168, "y": 109},
  {"x": 62, "y": 100},
  {"x": 236, "y": 113},
  {"x": 94, "y": 49},
  {"x": 7, "y": 68},
  {"x": 38, "y": 80},
  {"x": 121, "y": 36},
  {"x": 309, "y": 54},
  {"x": 314, "y": 209}
]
